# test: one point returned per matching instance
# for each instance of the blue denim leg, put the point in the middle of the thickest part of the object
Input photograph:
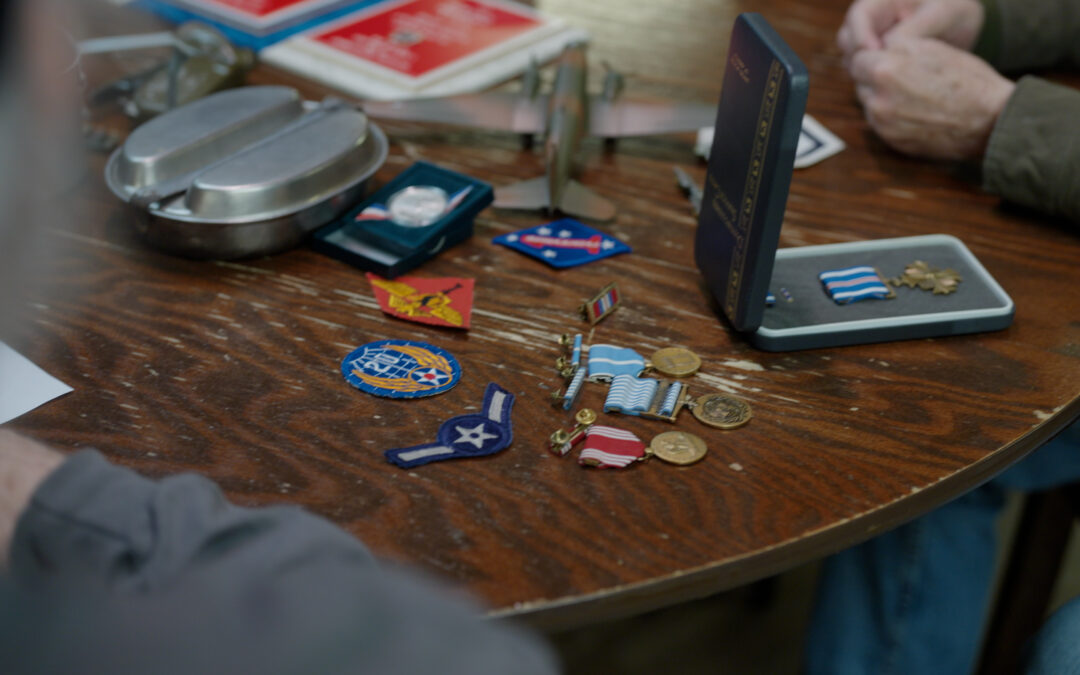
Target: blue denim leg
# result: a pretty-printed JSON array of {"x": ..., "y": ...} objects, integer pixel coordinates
[
  {"x": 914, "y": 599},
  {"x": 1054, "y": 464},
  {"x": 1056, "y": 648},
  {"x": 911, "y": 600}
]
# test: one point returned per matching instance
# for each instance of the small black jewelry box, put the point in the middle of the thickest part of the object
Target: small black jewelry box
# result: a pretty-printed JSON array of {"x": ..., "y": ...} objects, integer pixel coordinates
[
  {"x": 762, "y": 103},
  {"x": 423, "y": 211}
]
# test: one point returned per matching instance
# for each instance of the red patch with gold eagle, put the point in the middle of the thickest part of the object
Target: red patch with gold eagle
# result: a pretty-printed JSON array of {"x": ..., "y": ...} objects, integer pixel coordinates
[{"x": 436, "y": 301}]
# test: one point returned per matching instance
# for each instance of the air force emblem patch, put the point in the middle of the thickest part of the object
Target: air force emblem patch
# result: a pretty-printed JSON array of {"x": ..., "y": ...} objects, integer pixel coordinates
[
  {"x": 401, "y": 369},
  {"x": 472, "y": 435}
]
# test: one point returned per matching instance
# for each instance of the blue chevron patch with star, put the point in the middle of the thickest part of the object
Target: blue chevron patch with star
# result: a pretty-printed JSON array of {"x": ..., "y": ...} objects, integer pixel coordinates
[{"x": 471, "y": 435}]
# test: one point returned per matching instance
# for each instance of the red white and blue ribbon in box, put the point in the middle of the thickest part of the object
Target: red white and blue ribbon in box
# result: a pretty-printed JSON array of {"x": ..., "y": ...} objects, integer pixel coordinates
[
  {"x": 472, "y": 435},
  {"x": 852, "y": 284}
]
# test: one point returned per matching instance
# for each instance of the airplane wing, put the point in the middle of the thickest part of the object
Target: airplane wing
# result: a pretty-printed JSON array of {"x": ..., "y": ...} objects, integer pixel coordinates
[
  {"x": 532, "y": 194},
  {"x": 614, "y": 119},
  {"x": 579, "y": 200},
  {"x": 500, "y": 111},
  {"x": 527, "y": 195}
]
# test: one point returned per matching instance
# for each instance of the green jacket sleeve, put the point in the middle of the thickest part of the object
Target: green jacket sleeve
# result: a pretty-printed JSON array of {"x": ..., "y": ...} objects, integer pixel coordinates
[
  {"x": 1033, "y": 156},
  {"x": 1022, "y": 35}
]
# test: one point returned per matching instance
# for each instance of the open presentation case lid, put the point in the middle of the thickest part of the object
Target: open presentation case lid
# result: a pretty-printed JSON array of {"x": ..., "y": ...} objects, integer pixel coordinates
[{"x": 762, "y": 102}]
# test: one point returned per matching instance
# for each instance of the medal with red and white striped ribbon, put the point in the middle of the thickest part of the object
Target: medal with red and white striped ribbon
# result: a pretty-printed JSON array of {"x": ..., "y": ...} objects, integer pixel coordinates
[{"x": 608, "y": 447}]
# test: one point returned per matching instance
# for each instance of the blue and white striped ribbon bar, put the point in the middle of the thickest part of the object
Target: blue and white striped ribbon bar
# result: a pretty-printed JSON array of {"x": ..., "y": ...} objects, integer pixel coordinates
[
  {"x": 609, "y": 361},
  {"x": 854, "y": 283},
  {"x": 575, "y": 356},
  {"x": 573, "y": 389},
  {"x": 671, "y": 398},
  {"x": 630, "y": 395}
]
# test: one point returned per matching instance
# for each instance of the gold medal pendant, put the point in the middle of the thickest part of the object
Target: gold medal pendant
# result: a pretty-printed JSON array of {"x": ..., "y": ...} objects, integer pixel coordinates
[
  {"x": 722, "y": 411},
  {"x": 675, "y": 362},
  {"x": 678, "y": 447}
]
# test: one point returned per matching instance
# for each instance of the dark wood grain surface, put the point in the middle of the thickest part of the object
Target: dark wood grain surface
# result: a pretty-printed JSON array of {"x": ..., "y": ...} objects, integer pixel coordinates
[{"x": 232, "y": 369}]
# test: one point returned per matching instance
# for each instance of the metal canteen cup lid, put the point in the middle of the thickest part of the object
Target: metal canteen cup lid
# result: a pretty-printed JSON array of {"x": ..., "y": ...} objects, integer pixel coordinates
[{"x": 245, "y": 172}]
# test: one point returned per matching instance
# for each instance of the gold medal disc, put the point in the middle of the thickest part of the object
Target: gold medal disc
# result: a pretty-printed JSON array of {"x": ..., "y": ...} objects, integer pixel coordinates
[
  {"x": 678, "y": 447},
  {"x": 675, "y": 361},
  {"x": 722, "y": 411}
]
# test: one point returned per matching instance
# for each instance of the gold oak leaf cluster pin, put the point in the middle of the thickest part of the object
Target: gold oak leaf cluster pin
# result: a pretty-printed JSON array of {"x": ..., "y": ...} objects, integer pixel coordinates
[{"x": 927, "y": 278}]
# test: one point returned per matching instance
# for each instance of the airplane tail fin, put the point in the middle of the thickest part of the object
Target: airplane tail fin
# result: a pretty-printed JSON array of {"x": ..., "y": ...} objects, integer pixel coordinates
[{"x": 577, "y": 200}]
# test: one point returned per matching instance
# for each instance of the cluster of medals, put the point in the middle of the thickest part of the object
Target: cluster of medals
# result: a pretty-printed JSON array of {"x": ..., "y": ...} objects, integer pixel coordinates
[
  {"x": 864, "y": 282},
  {"x": 630, "y": 394}
]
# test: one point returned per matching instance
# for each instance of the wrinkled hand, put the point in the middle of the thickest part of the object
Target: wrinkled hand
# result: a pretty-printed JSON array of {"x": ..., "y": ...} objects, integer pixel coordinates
[
  {"x": 24, "y": 464},
  {"x": 928, "y": 99},
  {"x": 872, "y": 24}
]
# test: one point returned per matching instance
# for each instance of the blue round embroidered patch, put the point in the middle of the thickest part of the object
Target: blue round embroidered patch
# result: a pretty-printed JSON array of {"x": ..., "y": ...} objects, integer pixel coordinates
[{"x": 401, "y": 369}]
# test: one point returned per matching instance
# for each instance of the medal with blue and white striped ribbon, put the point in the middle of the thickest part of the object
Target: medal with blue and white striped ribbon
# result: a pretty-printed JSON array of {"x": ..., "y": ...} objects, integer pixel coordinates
[{"x": 852, "y": 284}]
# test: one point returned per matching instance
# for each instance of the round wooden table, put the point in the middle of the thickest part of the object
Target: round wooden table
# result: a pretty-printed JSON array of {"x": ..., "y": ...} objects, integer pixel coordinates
[{"x": 231, "y": 369}]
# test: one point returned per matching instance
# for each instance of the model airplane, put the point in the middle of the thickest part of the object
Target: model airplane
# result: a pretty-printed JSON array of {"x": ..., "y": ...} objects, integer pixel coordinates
[{"x": 564, "y": 117}]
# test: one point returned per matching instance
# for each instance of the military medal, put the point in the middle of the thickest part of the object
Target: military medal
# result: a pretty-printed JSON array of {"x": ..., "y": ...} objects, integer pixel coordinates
[
  {"x": 471, "y": 435},
  {"x": 602, "y": 304},
  {"x": 609, "y": 447},
  {"x": 852, "y": 284},
  {"x": 675, "y": 362},
  {"x": 721, "y": 411},
  {"x": 677, "y": 447},
  {"x": 401, "y": 369},
  {"x": 921, "y": 274}
]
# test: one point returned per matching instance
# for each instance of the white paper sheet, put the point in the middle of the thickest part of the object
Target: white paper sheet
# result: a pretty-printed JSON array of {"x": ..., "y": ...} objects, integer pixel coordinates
[{"x": 24, "y": 386}]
